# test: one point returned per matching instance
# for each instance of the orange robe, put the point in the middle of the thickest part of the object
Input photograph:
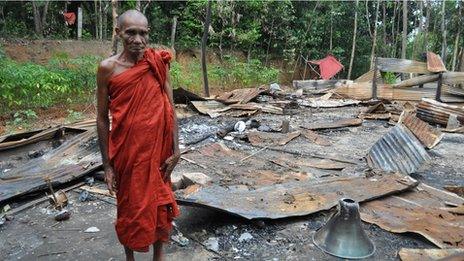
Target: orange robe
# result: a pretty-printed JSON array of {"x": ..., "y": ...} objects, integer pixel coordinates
[{"x": 141, "y": 139}]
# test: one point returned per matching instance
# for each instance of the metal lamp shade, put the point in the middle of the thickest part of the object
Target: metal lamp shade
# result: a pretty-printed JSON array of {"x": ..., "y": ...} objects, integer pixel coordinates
[{"x": 342, "y": 236}]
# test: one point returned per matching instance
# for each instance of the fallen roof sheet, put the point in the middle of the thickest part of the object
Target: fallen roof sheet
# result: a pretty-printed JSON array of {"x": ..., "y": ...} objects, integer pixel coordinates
[
  {"x": 293, "y": 198},
  {"x": 421, "y": 211},
  {"x": 437, "y": 112},
  {"x": 261, "y": 138},
  {"x": 74, "y": 158},
  {"x": 350, "y": 122},
  {"x": 363, "y": 91},
  {"x": 434, "y": 63},
  {"x": 184, "y": 96},
  {"x": 318, "y": 84},
  {"x": 398, "y": 151},
  {"x": 241, "y": 95},
  {"x": 411, "y": 254},
  {"x": 322, "y": 103},
  {"x": 429, "y": 136},
  {"x": 401, "y": 65}
]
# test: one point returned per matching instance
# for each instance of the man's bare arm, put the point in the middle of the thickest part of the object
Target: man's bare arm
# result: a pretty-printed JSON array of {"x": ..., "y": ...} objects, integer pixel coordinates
[{"x": 103, "y": 122}]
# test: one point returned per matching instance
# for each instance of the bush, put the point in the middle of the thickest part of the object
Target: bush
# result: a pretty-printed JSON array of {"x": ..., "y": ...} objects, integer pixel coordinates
[{"x": 28, "y": 85}]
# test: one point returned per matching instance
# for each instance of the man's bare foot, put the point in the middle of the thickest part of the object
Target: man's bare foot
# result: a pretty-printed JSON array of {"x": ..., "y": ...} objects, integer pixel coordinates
[
  {"x": 158, "y": 251},
  {"x": 129, "y": 254}
]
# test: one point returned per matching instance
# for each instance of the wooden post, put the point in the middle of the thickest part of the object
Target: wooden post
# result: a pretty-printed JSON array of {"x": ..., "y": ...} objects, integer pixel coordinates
[
  {"x": 374, "y": 79},
  {"x": 79, "y": 23},
  {"x": 439, "y": 85},
  {"x": 173, "y": 32},
  {"x": 203, "y": 49}
]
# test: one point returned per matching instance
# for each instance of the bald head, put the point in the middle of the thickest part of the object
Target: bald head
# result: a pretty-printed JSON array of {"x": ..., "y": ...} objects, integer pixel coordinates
[{"x": 131, "y": 17}]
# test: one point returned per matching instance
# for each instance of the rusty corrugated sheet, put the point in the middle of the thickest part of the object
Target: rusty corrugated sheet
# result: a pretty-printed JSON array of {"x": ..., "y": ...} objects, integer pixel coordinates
[
  {"x": 411, "y": 254},
  {"x": 241, "y": 95},
  {"x": 424, "y": 132},
  {"x": 420, "y": 211},
  {"x": 434, "y": 63},
  {"x": 293, "y": 198},
  {"x": 437, "y": 112},
  {"x": 350, "y": 122},
  {"x": 398, "y": 150},
  {"x": 363, "y": 91},
  {"x": 74, "y": 158},
  {"x": 275, "y": 184},
  {"x": 21, "y": 139}
]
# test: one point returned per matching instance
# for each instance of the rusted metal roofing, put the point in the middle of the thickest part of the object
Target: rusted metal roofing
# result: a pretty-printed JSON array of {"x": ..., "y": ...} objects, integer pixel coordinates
[
  {"x": 437, "y": 112},
  {"x": 275, "y": 184},
  {"x": 424, "y": 132},
  {"x": 411, "y": 254},
  {"x": 241, "y": 95},
  {"x": 74, "y": 158},
  {"x": 434, "y": 63},
  {"x": 363, "y": 91},
  {"x": 422, "y": 211},
  {"x": 293, "y": 198},
  {"x": 398, "y": 150}
]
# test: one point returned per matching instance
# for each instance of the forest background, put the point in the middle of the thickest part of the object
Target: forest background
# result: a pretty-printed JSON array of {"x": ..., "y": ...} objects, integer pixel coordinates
[{"x": 249, "y": 43}]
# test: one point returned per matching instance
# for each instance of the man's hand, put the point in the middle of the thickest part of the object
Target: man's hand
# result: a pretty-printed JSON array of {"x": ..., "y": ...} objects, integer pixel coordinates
[
  {"x": 110, "y": 180},
  {"x": 168, "y": 166}
]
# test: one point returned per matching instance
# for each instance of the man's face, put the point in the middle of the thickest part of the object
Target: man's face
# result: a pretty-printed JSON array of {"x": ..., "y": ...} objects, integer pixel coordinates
[{"x": 134, "y": 35}]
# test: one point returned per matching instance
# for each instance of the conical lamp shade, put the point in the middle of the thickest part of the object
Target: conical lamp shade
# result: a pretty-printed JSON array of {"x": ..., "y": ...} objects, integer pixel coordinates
[{"x": 342, "y": 235}]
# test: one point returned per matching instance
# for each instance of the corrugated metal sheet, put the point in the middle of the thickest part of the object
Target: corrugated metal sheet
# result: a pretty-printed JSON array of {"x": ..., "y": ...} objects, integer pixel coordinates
[
  {"x": 401, "y": 65},
  {"x": 425, "y": 133},
  {"x": 411, "y": 254},
  {"x": 363, "y": 91},
  {"x": 241, "y": 95},
  {"x": 434, "y": 63},
  {"x": 292, "y": 198},
  {"x": 422, "y": 211},
  {"x": 436, "y": 112},
  {"x": 398, "y": 150}
]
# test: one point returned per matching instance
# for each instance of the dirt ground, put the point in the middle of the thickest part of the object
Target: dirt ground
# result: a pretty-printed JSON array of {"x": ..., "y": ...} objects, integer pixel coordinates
[{"x": 34, "y": 235}]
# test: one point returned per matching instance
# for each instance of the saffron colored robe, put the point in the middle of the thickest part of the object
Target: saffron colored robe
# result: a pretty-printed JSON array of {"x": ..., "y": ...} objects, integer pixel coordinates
[{"x": 141, "y": 139}]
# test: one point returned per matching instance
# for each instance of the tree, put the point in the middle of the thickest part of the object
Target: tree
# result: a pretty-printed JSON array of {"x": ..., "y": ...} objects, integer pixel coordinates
[
  {"x": 443, "y": 31},
  {"x": 355, "y": 30},
  {"x": 114, "y": 37},
  {"x": 40, "y": 16},
  {"x": 204, "y": 39},
  {"x": 404, "y": 41},
  {"x": 374, "y": 37},
  {"x": 457, "y": 37}
]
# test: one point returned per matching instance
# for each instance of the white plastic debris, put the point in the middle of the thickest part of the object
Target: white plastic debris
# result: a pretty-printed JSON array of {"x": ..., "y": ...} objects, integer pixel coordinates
[
  {"x": 212, "y": 243},
  {"x": 92, "y": 230},
  {"x": 229, "y": 138},
  {"x": 180, "y": 239},
  {"x": 240, "y": 126},
  {"x": 274, "y": 87},
  {"x": 245, "y": 237}
]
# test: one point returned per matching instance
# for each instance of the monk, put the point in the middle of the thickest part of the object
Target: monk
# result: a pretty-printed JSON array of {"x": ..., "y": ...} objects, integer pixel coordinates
[{"x": 140, "y": 150}]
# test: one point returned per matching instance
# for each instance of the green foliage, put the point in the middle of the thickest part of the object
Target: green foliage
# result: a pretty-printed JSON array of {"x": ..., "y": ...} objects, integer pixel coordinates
[
  {"x": 389, "y": 77},
  {"x": 22, "y": 118},
  {"x": 231, "y": 73},
  {"x": 27, "y": 85}
]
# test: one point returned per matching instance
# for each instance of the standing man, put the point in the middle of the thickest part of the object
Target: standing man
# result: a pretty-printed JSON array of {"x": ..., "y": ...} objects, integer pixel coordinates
[{"x": 141, "y": 150}]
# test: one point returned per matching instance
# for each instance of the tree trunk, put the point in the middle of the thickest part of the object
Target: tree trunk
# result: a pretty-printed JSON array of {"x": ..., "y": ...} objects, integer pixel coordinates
[
  {"x": 331, "y": 33},
  {"x": 368, "y": 19},
  {"x": 146, "y": 6},
  {"x": 114, "y": 37},
  {"x": 456, "y": 40},
  {"x": 404, "y": 43},
  {"x": 203, "y": 49},
  {"x": 100, "y": 20},
  {"x": 355, "y": 30},
  {"x": 443, "y": 31},
  {"x": 394, "y": 29},
  {"x": 461, "y": 64},
  {"x": 426, "y": 29},
  {"x": 137, "y": 5},
  {"x": 40, "y": 18},
  {"x": 374, "y": 37},
  {"x": 44, "y": 15},
  {"x": 173, "y": 32},
  {"x": 269, "y": 44},
  {"x": 384, "y": 24},
  {"x": 105, "y": 21},
  {"x": 97, "y": 36}
]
